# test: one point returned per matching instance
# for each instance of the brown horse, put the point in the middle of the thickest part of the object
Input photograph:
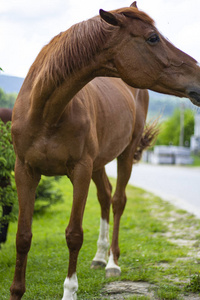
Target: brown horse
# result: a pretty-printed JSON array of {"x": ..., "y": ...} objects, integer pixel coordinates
[
  {"x": 55, "y": 132},
  {"x": 5, "y": 116}
]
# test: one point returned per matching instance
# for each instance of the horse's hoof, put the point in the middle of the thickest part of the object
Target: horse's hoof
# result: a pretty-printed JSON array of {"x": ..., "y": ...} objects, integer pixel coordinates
[
  {"x": 113, "y": 272},
  {"x": 97, "y": 264}
]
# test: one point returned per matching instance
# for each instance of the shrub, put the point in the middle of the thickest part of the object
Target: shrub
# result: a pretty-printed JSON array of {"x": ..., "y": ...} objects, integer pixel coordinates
[
  {"x": 8, "y": 195},
  {"x": 46, "y": 194}
]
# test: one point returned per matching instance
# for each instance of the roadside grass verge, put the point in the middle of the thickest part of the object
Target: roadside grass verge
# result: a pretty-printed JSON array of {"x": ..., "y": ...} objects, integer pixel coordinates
[
  {"x": 159, "y": 244},
  {"x": 196, "y": 162}
]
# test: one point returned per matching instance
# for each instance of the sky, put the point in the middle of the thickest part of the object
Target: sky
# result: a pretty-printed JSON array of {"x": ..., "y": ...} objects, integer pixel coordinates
[{"x": 27, "y": 25}]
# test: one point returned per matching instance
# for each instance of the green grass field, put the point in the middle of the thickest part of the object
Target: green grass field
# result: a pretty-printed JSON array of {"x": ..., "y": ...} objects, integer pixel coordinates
[{"x": 151, "y": 242}]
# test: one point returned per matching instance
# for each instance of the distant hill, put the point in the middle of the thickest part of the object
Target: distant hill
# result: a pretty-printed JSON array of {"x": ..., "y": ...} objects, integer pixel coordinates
[
  {"x": 10, "y": 84},
  {"x": 164, "y": 105},
  {"x": 159, "y": 104}
]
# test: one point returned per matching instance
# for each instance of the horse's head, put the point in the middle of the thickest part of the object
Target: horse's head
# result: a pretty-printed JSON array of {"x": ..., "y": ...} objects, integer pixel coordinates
[{"x": 143, "y": 58}]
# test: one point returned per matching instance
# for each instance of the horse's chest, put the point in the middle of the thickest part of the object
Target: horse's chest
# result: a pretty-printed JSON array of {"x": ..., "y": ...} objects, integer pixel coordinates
[
  {"x": 50, "y": 149},
  {"x": 52, "y": 155},
  {"x": 47, "y": 157}
]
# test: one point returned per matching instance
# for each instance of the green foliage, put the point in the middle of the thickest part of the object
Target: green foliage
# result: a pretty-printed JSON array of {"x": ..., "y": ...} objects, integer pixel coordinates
[
  {"x": 7, "y": 161},
  {"x": 46, "y": 195},
  {"x": 170, "y": 129},
  {"x": 7, "y": 100},
  {"x": 7, "y": 155}
]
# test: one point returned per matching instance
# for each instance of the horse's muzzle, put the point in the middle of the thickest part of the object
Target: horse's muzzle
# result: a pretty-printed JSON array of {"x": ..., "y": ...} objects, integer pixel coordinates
[{"x": 194, "y": 96}]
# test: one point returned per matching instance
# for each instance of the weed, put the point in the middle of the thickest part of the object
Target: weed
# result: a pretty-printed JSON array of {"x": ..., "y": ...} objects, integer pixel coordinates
[
  {"x": 168, "y": 292},
  {"x": 194, "y": 285}
]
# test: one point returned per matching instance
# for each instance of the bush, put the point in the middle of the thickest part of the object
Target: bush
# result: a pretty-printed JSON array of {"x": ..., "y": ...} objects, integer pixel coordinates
[
  {"x": 46, "y": 194},
  {"x": 8, "y": 195}
]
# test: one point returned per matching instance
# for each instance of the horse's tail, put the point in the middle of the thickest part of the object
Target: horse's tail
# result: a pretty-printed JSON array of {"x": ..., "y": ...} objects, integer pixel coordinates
[{"x": 148, "y": 139}]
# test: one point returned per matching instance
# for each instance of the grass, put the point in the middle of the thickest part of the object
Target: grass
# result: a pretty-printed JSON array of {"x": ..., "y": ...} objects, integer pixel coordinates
[
  {"x": 147, "y": 251},
  {"x": 196, "y": 162}
]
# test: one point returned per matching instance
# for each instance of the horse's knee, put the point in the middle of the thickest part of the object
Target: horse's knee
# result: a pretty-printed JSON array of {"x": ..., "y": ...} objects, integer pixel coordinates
[
  {"x": 118, "y": 204},
  {"x": 23, "y": 242},
  {"x": 74, "y": 239}
]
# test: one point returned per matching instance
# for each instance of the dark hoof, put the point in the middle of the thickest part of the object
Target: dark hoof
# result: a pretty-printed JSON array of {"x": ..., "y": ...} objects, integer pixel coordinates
[
  {"x": 97, "y": 264},
  {"x": 113, "y": 272}
]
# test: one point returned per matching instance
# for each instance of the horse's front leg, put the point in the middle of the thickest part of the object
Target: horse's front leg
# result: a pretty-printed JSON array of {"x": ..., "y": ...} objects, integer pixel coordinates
[
  {"x": 26, "y": 183},
  {"x": 74, "y": 233}
]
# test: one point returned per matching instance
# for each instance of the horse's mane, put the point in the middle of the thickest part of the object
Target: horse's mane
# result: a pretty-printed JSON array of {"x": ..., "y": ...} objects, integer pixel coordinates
[
  {"x": 73, "y": 49},
  {"x": 69, "y": 51}
]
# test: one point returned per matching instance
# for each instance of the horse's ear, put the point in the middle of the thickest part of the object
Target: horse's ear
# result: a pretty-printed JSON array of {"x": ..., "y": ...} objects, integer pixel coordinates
[
  {"x": 112, "y": 19},
  {"x": 134, "y": 4}
]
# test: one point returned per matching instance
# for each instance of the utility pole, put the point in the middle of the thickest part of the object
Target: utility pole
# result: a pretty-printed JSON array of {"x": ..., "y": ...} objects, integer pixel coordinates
[{"x": 181, "y": 137}]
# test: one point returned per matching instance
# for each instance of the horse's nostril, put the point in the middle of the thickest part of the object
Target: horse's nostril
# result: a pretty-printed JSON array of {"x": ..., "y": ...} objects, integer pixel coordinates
[{"x": 194, "y": 96}]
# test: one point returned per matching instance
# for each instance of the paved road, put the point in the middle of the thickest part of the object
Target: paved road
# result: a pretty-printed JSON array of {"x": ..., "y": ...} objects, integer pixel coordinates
[{"x": 177, "y": 184}]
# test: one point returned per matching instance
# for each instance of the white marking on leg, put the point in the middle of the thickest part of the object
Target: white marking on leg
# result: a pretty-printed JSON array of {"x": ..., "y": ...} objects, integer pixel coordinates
[
  {"x": 111, "y": 264},
  {"x": 70, "y": 288},
  {"x": 103, "y": 242}
]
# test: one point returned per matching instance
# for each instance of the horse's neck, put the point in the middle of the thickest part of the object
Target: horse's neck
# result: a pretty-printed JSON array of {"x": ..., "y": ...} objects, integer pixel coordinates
[{"x": 64, "y": 73}]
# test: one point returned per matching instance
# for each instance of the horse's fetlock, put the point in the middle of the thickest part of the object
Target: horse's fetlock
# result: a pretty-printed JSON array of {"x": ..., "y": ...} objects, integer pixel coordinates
[
  {"x": 116, "y": 254},
  {"x": 17, "y": 291}
]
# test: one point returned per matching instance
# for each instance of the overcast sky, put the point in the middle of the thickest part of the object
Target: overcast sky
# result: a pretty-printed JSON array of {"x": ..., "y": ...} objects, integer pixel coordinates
[{"x": 27, "y": 25}]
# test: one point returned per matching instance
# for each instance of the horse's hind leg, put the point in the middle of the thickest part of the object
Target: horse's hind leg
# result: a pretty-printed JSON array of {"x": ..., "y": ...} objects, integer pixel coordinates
[
  {"x": 26, "y": 183},
  {"x": 104, "y": 189},
  {"x": 125, "y": 161}
]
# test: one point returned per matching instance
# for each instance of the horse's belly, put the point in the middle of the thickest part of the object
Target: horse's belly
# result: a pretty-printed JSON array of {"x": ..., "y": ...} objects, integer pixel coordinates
[{"x": 113, "y": 145}]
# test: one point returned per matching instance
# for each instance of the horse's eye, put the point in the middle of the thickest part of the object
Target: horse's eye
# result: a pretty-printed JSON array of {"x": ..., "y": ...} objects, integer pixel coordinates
[{"x": 153, "y": 39}]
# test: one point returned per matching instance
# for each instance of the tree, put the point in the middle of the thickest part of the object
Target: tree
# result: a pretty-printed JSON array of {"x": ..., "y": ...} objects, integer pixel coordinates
[{"x": 170, "y": 129}]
